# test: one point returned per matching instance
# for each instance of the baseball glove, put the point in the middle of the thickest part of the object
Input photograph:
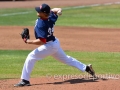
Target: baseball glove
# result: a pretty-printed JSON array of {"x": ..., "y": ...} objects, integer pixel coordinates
[{"x": 25, "y": 34}]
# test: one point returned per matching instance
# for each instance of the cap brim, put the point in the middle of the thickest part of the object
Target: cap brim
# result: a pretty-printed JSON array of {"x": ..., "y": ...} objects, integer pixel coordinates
[{"x": 37, "y": 9}]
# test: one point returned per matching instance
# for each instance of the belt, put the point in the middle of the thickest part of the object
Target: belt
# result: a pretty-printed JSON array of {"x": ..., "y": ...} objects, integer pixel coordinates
[{"x": 51, "y": 40}]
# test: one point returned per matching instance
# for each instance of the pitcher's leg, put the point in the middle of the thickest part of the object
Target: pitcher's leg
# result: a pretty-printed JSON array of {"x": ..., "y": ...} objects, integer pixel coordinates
[
  {"x": 27, "y": 68},
  {"x": 37, "y": 54},
  {"x": 61, "y": 56}
]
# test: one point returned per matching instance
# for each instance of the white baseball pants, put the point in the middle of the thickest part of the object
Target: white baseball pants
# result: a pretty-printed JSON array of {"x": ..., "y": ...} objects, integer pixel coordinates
[{"x": 53, "y": 49}]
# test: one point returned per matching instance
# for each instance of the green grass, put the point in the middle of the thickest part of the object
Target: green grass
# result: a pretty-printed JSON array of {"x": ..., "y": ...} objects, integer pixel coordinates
[
  {"x": 19, "y": 19},
  {"x": 11, "y": 63},
  {"x": 100, "y": 16}
]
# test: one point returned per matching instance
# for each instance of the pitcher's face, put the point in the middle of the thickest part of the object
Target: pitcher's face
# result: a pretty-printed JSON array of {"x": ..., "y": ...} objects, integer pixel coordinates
[
  {"x": 43, "y": 15},
  {"x": 40, "y": 14}
]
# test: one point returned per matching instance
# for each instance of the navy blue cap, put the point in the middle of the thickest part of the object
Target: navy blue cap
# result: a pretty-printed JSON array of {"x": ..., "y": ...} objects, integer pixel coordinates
[{"x": 43, "y": 8}]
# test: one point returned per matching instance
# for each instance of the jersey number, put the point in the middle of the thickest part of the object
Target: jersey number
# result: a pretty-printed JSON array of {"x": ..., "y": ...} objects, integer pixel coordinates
[{"x": 50, "y": 31}]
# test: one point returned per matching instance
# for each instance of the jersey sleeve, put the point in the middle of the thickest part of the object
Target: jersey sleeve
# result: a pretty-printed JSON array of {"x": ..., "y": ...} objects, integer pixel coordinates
[
  {"x": 53, "y": 17},
  {"x": 40, "y": 30}
]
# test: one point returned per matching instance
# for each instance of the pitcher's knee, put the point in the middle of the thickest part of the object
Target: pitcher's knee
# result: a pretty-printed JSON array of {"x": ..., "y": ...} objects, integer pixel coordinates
[{"x": 31, "y": 55}]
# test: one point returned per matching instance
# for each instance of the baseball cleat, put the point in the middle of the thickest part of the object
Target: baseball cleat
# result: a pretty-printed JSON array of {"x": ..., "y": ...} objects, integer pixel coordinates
[
  {"x": 90, "y": 70},
  {"x": 22, "y": 83}
]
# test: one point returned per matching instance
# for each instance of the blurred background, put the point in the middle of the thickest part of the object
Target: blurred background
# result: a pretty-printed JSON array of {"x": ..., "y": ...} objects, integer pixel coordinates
[{"x": 21, "y": 0}]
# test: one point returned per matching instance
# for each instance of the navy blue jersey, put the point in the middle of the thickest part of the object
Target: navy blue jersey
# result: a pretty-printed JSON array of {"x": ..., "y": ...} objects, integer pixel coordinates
[{"x": 44, "y": 28}]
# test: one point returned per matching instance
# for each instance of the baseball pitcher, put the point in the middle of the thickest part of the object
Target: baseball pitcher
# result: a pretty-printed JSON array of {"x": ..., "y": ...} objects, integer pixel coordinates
[{"x": 49, "y": 45}]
